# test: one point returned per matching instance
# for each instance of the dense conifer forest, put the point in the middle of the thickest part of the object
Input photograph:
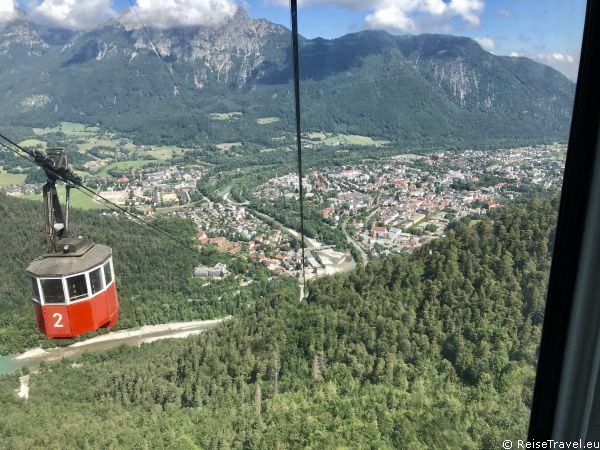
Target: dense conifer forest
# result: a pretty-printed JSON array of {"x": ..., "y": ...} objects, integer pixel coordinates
[{"x": 432, "y": 350}]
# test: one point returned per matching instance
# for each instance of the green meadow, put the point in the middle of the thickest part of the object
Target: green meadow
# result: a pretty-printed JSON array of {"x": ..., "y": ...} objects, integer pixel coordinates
[{"x": 78, "y": 199}]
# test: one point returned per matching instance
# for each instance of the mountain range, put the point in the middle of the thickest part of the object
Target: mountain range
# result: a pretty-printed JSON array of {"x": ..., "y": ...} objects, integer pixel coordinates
[{"x": 411, "y": 89}]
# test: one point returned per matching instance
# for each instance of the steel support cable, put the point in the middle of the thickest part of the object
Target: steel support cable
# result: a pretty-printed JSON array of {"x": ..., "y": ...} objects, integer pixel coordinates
[
  {"x": 294, "y": 13},
  {"x": 83, "y": 188},
  {"x": 296, "y": 69},
  {"x": 156, "y": 229},
  {"x": 169, "y": 70}
]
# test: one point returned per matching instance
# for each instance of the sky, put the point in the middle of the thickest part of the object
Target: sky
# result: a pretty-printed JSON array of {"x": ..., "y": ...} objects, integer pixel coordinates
[{"x": 548, "y": 31}]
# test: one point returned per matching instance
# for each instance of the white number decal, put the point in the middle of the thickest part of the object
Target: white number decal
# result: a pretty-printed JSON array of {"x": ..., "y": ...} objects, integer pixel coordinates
[{"x": 58, "y": 318}]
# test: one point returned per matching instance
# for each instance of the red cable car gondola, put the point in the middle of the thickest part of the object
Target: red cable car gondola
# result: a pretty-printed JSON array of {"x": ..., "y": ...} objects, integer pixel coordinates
[
  {"x": 73, "y": 285},
  {"x": 74, "y": 292}
]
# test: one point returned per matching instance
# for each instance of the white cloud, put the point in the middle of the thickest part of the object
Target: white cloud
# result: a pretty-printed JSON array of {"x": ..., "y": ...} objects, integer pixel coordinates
[
  {"x": 555, "y": 57},
  {"x": 563, "y": 62},
  {"x": 486, "y": 43},
  {"x": 417, "y": 15},
  {"x": 514, "y": 54},
  {"x": 169, "y": 13},
  {"x": 412, "y": 16},
  {"x": 422, "y": 15},
  {"x": 73, "y": 14},
  {"x": 8, "y": 10},
  {"x": 392, "y": 14},
  {"x": 468, "y": 10},
  {"x": 561, "y": 57}
]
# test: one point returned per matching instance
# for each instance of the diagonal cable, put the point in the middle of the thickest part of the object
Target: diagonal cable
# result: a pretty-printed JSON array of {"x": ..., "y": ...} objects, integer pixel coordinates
[
  {"x": 84, "y": 189},
  {"x": 168, "y": 69}
]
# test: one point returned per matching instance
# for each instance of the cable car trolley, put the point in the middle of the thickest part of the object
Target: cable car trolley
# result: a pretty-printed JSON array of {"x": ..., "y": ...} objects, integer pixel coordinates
[{"x": 73, "y": 284}]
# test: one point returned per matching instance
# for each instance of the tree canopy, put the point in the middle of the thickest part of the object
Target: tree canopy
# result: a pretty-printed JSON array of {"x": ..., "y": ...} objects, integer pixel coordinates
[{"x": 432, "y": 350}]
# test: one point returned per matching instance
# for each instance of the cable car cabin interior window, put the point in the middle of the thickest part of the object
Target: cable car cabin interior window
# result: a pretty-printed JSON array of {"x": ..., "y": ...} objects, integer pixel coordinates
[
  {"x": 53, "y": 291},
  {"x": 77, "y": 287},
  {"x": 96, "y": 280},
  {"x": 35, "y": 289},
  {"x": 107, "y": 273}
]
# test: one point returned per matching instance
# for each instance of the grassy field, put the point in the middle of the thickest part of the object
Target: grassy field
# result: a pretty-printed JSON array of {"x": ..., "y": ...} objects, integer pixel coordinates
[
  {"x": 82, "y": 173},
  {"x": 344, "y": 139},
  {"x": 162, "y": 153},
  {"x": 267, "y": 120},
  {"x": 225, "y": 116},
  {"x": 70, "y": 129},
  {"x": 165, "y": 153},
  {"x": 75, "y": 129},
  {"x": 126, "y": 165},
  {"x": 167, "y": 209},
  {"x": 317, "y": 136},
  {"x": 352, "y": 139},
  {"x": 6, "y": 179},
  {"x": 33, "y": 143},
  {"x": 228, "y": 145},
  {"x": 78, "y": 199},
  {"x": 559, "y": 155},
  {"x": 86, "y": 147}
]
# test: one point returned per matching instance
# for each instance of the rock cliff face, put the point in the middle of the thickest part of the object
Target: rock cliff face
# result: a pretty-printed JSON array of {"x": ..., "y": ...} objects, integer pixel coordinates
[
  {"x": 21, "y": 34},
  {"x": 232, "y": 51},
  {"x": 369, "y": 82}
]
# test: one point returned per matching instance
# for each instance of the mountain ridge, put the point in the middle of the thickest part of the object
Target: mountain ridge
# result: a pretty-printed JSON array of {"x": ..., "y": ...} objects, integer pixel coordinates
[{"x": 408, "y": 88}]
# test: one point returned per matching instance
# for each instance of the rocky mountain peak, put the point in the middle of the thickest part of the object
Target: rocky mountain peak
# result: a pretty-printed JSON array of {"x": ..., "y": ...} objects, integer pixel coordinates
[
  {"x": 232, "y": 50},
  {"x": 21, "y": 33}
]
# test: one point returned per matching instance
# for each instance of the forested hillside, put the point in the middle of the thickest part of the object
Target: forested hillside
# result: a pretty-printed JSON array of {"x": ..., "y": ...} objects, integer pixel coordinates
[
  {"x": 154, "y": 274},
  {"x": 432, "y": 350}
]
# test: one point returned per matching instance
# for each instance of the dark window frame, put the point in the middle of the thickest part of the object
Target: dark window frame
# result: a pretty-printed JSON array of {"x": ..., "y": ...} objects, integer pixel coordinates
[
  {"x": 35, "y": 289},
  {"x": 45, "y": 281},
  {"x": 108, "y": 276},
  {"x": 98, "y": 271},
  {"x": 548, "y": 419},
  {"x": 73, "y": 297}
]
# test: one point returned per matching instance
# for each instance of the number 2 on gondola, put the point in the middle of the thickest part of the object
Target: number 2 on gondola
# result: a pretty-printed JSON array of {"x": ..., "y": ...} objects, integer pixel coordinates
[{"x": 58, "y": 318}]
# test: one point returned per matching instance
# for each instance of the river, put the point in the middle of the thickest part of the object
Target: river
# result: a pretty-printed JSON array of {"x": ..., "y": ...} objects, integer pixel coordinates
[{"x": 8, "y": 365}]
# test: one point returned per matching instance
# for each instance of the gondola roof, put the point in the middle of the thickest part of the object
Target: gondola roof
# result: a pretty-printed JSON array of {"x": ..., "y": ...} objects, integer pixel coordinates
[{"x": 84, "y": 255}]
